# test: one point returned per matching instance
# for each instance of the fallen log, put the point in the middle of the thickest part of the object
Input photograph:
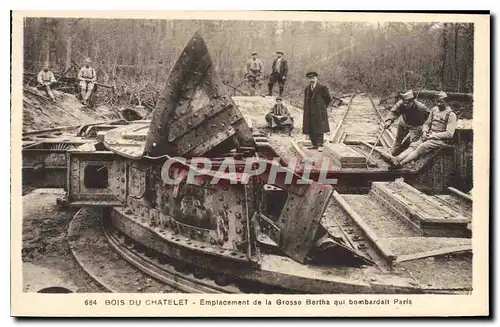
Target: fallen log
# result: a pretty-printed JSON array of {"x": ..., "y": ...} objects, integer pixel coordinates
[{"x": 454, "y": 96}]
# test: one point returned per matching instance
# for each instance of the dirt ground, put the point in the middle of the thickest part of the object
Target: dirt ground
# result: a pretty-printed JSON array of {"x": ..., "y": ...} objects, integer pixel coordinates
[
  {"x": 40, "y": 113},
  {"x": 47, "y": 260},
  {"x": 255, "y": 108}
]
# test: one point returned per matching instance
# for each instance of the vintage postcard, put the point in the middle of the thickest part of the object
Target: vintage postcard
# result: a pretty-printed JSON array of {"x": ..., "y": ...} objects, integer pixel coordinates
[{"x": 189, "y": 164}]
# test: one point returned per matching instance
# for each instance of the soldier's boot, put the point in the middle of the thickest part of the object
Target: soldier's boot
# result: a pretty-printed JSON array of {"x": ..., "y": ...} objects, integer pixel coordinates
[{"x": 281, "y": 90}]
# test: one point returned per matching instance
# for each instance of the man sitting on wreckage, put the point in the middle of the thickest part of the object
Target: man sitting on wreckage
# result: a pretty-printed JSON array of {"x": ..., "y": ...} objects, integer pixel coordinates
[
  {"x": 437, "y": 131},
  {"x": 280, "y": 117},
  {"x": 45, "y": 80},
  {"x": 411, "y": 115}
]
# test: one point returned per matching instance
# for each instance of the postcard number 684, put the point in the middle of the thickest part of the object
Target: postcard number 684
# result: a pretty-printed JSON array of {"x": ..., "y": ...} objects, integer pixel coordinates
[{"x": 90, "y": 302}]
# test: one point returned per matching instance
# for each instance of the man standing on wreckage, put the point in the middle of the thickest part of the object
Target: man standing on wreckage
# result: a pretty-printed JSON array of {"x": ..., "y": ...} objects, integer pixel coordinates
[
  {"x": 411, "y": 115},
  {"x": 315, "y": 117}
]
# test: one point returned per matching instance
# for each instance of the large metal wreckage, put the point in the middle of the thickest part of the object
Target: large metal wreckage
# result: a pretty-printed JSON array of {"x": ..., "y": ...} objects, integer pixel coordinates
[{"x": 251, "y": 232}]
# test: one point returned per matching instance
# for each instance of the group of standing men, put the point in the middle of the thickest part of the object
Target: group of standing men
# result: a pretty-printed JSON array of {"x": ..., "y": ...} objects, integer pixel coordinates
[
  {"x": 279, "y": 71},
  {"x": 86, "y": 76},
  {"x": 316, "y": 99}
]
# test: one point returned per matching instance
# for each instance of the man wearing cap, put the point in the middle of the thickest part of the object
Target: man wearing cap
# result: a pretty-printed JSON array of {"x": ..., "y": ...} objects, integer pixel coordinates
[
  {"x": 279, "y": 73},
  {"x": 411, "y": 115},
  {"x": 280, "y": 116},
  {"x": 315, "y": 117},
  {"x": 87, "y": 77},
  {"x": 254, "y": 71},
  {"x": 45, "y": 79},
  {"x": 437, "y": 131}
]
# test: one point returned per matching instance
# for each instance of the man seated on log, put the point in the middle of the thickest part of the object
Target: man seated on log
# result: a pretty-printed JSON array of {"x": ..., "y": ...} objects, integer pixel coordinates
[
  {"x": 254, "y": 71},
  {"x": 45, "y": 79},
  {"x": 411, "y": 115},
  {"x": 280, "y": 117},
  {"x": 87, "y": 77},
  {"x": 438, "y": 131}
]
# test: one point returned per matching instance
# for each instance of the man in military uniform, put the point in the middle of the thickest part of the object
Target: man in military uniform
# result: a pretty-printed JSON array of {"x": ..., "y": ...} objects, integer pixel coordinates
[
  {"x": 315, "y": 119},
  {"x": 437, "y": 131},
  {"x": 87, "y": 77},
  {"x": 411, "y": 115},
  {"x": 45, "y": 80},
  {"x": 254, "y": 71},
  {"x": 279, "y": 116},
  {"x": 279, "y": 73}
]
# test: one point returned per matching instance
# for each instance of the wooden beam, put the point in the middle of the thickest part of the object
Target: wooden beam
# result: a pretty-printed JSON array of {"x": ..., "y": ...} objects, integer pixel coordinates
[
  {"x": 370, "y": 233},
  {"x": 460, "y": 193},
  {"x": 427, "y": 254}
]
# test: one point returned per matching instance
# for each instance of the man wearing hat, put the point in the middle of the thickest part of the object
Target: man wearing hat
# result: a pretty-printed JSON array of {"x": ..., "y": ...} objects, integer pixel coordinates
[
  {"x": 280, "y": 116},
  {"x": 87, "y": 77},
  {"x": 254, "y": 71},
  {"x": 315, "y": 117},
  {"x": 45, "y": 79},
  {"x": 437, "y": 131},
  {"x": 279, "y": 73},
  {"x": 411, "y": 115}
]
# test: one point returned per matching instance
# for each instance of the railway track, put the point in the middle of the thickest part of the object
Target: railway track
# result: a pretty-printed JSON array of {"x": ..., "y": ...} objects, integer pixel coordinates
[
  {"x": 177, "y": 275},
  {"x": 49, "y": 133},
  {"x": 87, "y": 239},
  {"x": 361, "y": 122},
  {"x": 59, "y": 132}
]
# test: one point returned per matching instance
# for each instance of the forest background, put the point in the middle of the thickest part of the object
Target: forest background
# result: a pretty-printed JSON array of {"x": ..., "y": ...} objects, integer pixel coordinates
[{"x": 134, "y": 56}]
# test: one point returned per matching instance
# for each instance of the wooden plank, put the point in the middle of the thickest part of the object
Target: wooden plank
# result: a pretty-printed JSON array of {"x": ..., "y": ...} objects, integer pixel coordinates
[
  {"x": 426, "y": 254},
  {"x": 344, "y": 156},
  {"x": 460, "y": 194},
  {"x": 419, "y": 205},
  {"x": 370, "y": 233},
  {"x": 369, "y": 161},
  {"x": 298, "y": 149},
  {"x": 335, "y": 137}
]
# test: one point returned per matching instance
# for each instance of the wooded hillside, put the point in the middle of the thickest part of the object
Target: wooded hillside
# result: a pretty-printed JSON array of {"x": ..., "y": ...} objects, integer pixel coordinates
[{"x": 136, "y": 55}]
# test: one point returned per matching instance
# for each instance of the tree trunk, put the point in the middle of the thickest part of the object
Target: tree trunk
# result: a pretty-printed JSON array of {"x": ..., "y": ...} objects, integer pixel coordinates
[
  {"x": 444, "y": 52},
  {"x": 456, "y": 71},
  {"x": 69, "y": 40}
]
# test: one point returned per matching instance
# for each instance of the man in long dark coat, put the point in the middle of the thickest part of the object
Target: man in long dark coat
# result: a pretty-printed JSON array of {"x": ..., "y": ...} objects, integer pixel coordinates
[
  {"x": 279, "y": 72},
  {"x": 315, "y": 119}
]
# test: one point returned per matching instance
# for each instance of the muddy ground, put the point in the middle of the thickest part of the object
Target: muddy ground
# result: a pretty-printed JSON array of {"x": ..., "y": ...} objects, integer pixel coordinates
[
  {"x": 40, "y": 113},
  {"x": 47, "y": 259}
]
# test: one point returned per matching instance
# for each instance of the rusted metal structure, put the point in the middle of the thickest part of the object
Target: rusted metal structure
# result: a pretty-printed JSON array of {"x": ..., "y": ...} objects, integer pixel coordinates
[{"x": 247, "y": 233}]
